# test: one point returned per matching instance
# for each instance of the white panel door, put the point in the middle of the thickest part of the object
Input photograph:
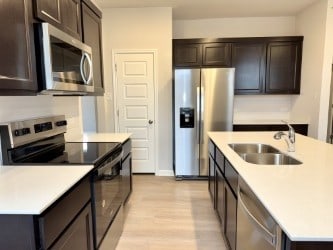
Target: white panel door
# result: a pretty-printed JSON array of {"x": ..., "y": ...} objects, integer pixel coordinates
[{"x": 135, "y": 105}]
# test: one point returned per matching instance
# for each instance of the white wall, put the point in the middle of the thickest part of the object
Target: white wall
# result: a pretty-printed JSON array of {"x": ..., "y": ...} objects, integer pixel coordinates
[
  {"x": 254, "y": 107},
  {"x": 234, "y": 27},
  {"x": 25, "y": 107},
  {"x": 141, "y": 28},
  {"x": 315, "y": 24}
]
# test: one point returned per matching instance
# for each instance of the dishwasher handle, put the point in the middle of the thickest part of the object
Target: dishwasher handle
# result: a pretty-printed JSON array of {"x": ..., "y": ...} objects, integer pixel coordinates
[{"x": 271, "y": 238}]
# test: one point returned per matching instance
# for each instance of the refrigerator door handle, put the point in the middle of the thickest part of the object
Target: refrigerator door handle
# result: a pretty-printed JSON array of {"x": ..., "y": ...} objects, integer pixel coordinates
[
  {"x": 202, "y": 104},
  {"x": 198, "y": 116}
]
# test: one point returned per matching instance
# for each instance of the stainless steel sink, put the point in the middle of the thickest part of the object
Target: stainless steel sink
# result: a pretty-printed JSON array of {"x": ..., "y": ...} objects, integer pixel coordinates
[
  {"x": 245, "y": 148},
  {"x": 270, "y": 159}
]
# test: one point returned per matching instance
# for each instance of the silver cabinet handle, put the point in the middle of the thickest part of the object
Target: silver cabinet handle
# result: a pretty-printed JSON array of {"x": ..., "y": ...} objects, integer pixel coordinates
[
  {"x": 150, "y": 122},
  {"x": 86, "y": 80},
  {"x": 271, "y": 238}
]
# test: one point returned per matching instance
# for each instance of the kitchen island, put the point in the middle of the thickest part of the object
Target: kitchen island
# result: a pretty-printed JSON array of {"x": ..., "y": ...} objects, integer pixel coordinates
[{"x": 299, "y": 197}]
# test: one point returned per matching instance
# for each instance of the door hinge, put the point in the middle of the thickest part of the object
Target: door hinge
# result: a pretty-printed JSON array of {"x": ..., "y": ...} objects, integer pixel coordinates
[
  {"x": 118, "y": 112},
  {"x": 115, "y": 67}
]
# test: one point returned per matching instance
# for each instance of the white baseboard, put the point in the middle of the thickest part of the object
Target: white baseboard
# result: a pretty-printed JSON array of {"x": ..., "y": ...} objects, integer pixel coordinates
[{"x": 165, "y": 173}]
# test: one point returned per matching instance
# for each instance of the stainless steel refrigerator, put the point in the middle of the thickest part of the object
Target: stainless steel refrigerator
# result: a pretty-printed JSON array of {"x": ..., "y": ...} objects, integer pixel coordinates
[{"x": 203, "y": 101}]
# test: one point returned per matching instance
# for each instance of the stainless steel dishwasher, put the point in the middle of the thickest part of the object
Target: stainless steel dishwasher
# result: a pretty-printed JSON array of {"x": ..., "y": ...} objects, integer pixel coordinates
[{"x": 256, "y": 229}]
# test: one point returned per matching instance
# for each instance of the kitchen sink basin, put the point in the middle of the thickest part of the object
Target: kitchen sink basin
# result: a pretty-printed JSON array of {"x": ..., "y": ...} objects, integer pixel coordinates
[
  {"x": 245, "y": 148},
  {"x": 269, "y": 159}
]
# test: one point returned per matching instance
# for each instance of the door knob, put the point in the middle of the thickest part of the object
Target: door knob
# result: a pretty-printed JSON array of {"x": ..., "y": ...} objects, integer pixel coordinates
[{"x": 150, "y": 122}]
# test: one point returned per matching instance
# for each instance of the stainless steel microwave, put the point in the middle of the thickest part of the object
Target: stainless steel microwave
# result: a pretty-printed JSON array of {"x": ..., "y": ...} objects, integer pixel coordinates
[{"x": 65, "y": 63}]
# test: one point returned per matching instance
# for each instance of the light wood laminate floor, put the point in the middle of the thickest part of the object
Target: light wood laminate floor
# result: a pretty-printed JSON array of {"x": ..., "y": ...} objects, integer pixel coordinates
[{"x": 163, "y": 213}]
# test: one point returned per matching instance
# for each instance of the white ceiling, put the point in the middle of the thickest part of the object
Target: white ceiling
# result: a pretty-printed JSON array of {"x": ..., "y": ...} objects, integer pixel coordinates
[{"x": 201, "y": 9}]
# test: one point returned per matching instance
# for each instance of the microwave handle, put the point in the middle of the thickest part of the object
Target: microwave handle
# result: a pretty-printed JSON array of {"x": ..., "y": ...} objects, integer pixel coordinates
[{"x": 86, "y": 56}]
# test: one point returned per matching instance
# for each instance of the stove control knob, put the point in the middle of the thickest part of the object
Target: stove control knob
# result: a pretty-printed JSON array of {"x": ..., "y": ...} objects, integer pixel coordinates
[{"x": 17, "y": 132}]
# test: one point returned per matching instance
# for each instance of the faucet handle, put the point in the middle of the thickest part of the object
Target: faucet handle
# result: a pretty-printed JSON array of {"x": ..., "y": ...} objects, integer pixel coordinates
[
  {"x": 291, "y": 131},
  {"x": 287, "y": 123}
]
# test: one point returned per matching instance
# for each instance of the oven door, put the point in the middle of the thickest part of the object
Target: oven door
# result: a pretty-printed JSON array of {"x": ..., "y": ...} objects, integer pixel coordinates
[{"x": 107, "y": 196}]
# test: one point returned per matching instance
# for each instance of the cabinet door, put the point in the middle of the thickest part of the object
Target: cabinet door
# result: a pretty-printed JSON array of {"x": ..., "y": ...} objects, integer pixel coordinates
[
  {"x": 17, "y": 54},
  {"x": 220, "y": 197},
  {"x": 126, "y": 177},
  {"x": 49, "y": 11},
  {"x": 217, "y": 54},
  {"x": 231, "y": 218},
  {"x": 79, "y": 233},
  {"x": 187, "y": 55},
  {"x": 71, "y": 17},
  {"x": 211, "y": 179},
  {"x": 64, "y": 14},
  {"x": 283, "y": 67},
  {"x": 92, "y": 35},
  {"x": 249, "y": 61}
]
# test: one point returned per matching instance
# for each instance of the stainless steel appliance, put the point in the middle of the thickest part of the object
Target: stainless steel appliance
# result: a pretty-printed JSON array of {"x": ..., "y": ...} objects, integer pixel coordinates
[
  {"x": 256, "y": 229},
  {"x": 203, "y": 101},
  {"x": 41, "y": 141},
  {"x": 65, "y": 63}
]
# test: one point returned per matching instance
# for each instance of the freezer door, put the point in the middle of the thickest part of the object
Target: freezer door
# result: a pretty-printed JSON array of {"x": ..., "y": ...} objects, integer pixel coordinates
[
  {"x": 186, "y": 136},
  {"x": 217, "y": 100}
]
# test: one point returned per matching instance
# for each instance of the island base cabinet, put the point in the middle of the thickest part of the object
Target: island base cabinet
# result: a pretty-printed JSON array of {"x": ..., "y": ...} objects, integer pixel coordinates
[
  {"x": 287, "y": 244},
  {"x": 220, "y": 197},
  {"x": 16, "y": 232},
  {"x": 230, "y": 218},
  {"x": 211, "y": 180}
]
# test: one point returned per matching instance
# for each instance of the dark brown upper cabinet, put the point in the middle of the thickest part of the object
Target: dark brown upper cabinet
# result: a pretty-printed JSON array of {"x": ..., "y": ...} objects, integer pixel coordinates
[
  {"x": 249, "y": 61},
  {"x": 263, "y": 65},
  {"x": 64, "y": 14},
  {"x": 217, "y": 54},
  {"x": 187, "y": 55},
  {"x": 17, "y": 64},
  {"x": 92, "y": 36},
  {"x": 283, "y": 67}
]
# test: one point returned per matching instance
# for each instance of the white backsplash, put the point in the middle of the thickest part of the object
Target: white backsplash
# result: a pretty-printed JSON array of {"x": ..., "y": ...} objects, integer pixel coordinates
[
  {"x": 261, "y": 108},
  {"x": 26, "y": 107}
]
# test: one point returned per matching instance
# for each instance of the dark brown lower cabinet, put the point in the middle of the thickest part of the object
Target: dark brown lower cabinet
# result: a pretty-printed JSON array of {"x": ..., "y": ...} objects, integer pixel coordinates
[
  {"x": 211, "y": 179},
  {"x": 230, "y": 218},
  {"x": 75, "y": 237},
  {"x": 220, "y": 197}
]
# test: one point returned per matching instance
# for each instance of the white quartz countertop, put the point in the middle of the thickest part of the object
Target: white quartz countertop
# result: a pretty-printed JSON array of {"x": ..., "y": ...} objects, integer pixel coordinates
[
  {"x": 99, "y": 137},
  {"x": 299, "y": 197},
  {"x": 32, "y": 189}
]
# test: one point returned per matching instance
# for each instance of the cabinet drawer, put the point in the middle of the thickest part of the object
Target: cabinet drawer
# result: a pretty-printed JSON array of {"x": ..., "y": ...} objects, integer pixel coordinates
[
  {"x": 58, "y": 217},
  {"x": 211, "y": 148},
  {"x": 220, "y": 160},
  {"x": 232, "y": 176}
]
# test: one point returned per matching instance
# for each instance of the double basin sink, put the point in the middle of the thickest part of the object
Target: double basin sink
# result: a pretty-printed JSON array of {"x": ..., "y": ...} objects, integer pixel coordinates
[{"x": 262, "y": 154}]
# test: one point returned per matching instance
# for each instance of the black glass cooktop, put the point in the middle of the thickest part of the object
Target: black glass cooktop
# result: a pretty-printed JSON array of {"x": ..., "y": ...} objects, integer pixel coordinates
[{"x": 70, "y": 152}]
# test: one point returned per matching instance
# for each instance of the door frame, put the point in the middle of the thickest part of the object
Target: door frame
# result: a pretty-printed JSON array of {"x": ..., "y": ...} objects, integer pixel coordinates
[{"x": 155, "y": 84}]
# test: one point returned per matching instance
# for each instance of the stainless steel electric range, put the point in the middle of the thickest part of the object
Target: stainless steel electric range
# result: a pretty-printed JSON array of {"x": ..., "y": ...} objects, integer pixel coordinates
[{"x": 41, "y": 141}]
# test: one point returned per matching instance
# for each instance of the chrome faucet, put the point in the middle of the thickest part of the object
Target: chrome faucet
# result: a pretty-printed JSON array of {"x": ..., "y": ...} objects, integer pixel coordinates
[{"x": 290, "y": 138}]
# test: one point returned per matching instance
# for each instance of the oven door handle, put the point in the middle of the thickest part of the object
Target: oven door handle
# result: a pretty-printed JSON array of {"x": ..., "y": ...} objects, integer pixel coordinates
[{"x": 110, "y": 165}]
